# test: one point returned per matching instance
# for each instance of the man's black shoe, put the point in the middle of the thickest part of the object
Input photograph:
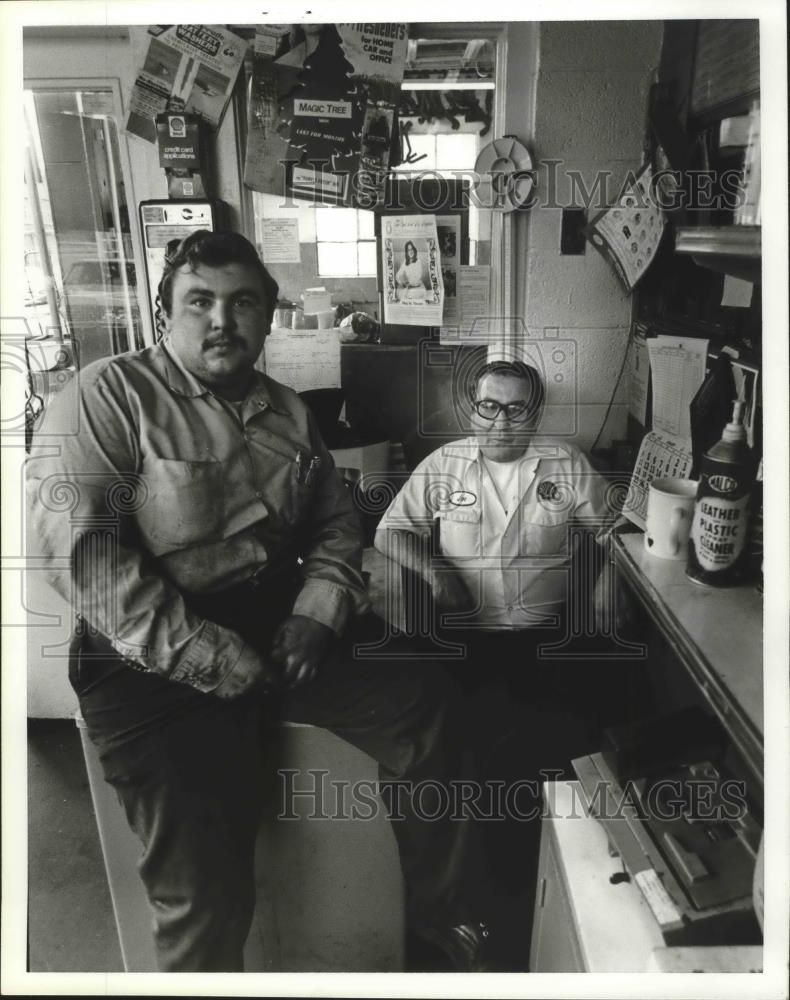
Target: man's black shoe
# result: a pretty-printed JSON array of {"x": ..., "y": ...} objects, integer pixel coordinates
[{"x": 465, "y": 945}]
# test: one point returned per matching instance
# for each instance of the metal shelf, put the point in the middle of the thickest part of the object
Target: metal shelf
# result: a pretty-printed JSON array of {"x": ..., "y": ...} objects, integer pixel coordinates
[
  {"x": 716, "y": 633},
  {"x": 735, "y": 250}
]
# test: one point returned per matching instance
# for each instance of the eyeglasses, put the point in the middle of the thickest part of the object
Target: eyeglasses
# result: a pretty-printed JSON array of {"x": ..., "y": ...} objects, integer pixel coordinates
[{"x": 489, "y": 409}]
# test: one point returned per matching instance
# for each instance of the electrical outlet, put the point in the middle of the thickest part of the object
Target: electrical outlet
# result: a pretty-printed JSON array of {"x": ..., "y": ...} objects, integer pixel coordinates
[{"x": 572, "y": 239}]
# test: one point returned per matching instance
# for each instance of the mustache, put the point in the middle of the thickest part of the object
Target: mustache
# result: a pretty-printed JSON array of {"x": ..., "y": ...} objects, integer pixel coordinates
[{"x": 229, "y": 339}]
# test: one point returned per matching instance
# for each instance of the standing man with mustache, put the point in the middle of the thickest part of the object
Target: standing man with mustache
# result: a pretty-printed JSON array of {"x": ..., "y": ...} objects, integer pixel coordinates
[{"x": 196, "y": 522}]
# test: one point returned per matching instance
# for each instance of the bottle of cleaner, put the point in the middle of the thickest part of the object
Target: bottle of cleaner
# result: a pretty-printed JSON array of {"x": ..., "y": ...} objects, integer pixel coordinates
[{"x": 717, "y": 545}]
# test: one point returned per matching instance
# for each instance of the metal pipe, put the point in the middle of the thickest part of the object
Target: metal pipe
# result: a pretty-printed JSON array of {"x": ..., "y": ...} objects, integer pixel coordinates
[
  {"x": 41, "y": 244},
  {"x": 116, "y": 218}
]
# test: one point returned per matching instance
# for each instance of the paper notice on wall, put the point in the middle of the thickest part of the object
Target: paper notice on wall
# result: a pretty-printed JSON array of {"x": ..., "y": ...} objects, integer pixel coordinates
[
  {"x": 450, "y": 312},
  {"x": 660, "y": 456},
  {"x": 448, "y": 229},
  {"x": 304, "y": 359},
  {"x": 746, "y": 381},
  {"x": 377, "y": 52},
  {"x": 677, "y": 366},
  {"x": 189, "y": 66},
  {"x": 269, "y": 38},
  {"x": 639, "y": 377},
  {"x": 280, "y": 241},
  {"x": 411, "y": 270},
  {"x": 472, "y": 311},
  {"x": 316, "y": 300},
  {"x": 736, "y": 293},
  {"x": 628, "y": 233}
]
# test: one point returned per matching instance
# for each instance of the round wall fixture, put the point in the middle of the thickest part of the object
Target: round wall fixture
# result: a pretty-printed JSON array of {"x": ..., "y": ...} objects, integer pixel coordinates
[{"x": 507, "y": 167}]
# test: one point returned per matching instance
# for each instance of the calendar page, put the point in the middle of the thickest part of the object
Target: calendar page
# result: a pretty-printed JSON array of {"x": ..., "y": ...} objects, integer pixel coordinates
[
  {"x": 660, "y": 456},
  {"x": 677, "y": 370}
]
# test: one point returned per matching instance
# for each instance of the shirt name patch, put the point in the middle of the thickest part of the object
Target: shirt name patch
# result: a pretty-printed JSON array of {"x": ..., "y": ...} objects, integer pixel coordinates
[{"x": 462, "y": 499}]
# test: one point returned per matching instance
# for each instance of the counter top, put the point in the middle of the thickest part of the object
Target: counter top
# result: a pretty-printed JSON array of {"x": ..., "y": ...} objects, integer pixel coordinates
[{"x": 717, "y": 633}]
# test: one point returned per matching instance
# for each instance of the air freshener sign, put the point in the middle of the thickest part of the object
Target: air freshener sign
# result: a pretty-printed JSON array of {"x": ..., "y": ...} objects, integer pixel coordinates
[
  {"x": 322, "y": 113},
  {"x": 323, "y": 120}
]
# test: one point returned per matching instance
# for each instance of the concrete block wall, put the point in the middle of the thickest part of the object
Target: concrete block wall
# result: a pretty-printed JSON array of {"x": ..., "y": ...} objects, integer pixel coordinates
[{"x": 590, "y": 115}]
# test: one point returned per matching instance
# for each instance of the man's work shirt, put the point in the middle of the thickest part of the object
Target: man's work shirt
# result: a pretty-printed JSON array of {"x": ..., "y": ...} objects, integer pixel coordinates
[
  {"x": 505, "y": 527},
  {"x": 194, "y": 495}
]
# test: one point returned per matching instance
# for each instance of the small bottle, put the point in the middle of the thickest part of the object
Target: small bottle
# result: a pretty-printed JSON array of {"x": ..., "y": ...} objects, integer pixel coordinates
[{"x": 718, "y": 554}]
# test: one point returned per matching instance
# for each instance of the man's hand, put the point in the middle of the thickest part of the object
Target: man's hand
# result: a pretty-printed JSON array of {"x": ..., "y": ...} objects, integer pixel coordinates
[
  {"x": 449, "y": 591},
  {"x": 299, "y": 646},
  {"x": 252, "y": 673}
]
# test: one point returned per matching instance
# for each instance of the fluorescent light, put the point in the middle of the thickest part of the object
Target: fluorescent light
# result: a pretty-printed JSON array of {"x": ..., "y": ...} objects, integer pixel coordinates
[{"x": 448, "y": 85}]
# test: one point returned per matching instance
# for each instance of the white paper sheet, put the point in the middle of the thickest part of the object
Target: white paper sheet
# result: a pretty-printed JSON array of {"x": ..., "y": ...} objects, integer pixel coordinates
[
  {"x": 746, "y": 381},
  {"x": 677, "y": 366},
  {"x": 268, "y": 37},
  {"x": 303, "y": 359},
  {"x": 280, "y": 241},
  {"x": 413, "y": 288},
  {"x": 473, "y": 285},
  {"x": 316, "y": 300},
  {"x": 639, "y": 372},
  {"x": 736, "y": 293}
]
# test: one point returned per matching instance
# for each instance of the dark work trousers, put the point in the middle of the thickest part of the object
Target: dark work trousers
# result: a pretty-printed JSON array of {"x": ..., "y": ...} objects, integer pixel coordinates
[
  {"x": 189, "y": 771},
  {"x": 533, "y": 700}
]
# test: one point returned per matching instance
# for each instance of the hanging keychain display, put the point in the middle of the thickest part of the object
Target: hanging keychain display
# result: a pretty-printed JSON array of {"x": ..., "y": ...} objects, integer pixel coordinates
[{"x": 506, "y": 175}]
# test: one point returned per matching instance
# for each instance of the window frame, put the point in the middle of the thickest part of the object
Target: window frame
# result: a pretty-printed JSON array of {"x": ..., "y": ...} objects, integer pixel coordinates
[
  {"x": 502, "y": 285},
  {"x": 112, "y": 84},
  {"x": 356, "y": 242}
]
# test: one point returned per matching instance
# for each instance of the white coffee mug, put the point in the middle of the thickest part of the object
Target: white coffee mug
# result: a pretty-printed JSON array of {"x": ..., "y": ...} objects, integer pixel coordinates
[
  {"x": 326, "y": 319},
  {"x": 670, "y": 509}
]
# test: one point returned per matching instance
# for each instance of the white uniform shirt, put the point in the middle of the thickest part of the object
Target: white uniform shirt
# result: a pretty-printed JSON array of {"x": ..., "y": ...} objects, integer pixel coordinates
[{"x": 515, "y": 564}]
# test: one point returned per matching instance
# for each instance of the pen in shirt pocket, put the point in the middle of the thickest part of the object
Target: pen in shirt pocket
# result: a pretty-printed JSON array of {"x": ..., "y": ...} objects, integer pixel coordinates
[
  {"x": 305, "y": 476},
  {"x": 312, "y": 469}
]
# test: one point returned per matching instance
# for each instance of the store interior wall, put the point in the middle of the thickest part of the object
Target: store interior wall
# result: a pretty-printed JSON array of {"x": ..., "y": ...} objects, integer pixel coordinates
[
  {"x": 591, "y": 115},
  {"x": 573, "y": 91}
]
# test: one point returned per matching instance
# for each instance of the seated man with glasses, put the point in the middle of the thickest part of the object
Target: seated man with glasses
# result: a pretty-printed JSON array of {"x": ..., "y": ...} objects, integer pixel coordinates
[
  {"x": 515, "y": 516},
  {"x": 504, "y": 502}
]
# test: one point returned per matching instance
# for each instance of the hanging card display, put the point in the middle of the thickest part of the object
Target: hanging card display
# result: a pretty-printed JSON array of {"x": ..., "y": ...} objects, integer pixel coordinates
[
  {"x": 628, "y": 233},
  {"x": 323, "y": 112}
]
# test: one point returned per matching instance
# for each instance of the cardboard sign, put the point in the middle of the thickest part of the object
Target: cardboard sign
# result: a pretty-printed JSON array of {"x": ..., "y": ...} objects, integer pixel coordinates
[
  {"x": 178, "y": 138},
  {"x": 193, "y": 66},
  {"x": 323, "y": 112}
]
